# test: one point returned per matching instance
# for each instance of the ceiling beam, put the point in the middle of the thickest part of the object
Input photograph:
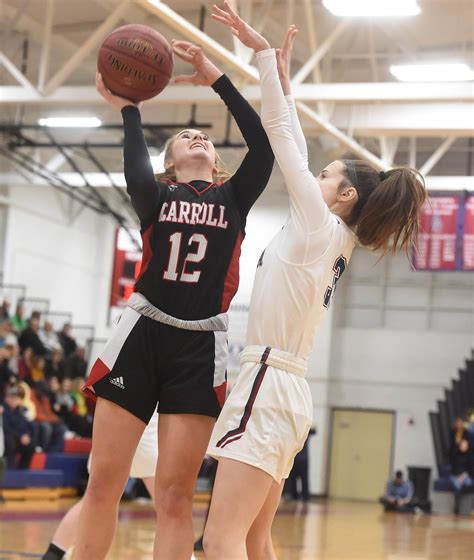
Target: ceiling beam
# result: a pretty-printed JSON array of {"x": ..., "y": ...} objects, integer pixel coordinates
[
  {"x": 177, "y": 22},
  {"x": 183, "y": 26},
  {"x": 436, "y": 155},
  {"x": 320, "y": 53},
  {"x": 91, "y": 43},
  {"x": 46, "y": 47},
  {"x": 17, "y": 74},
  {"x": 386, "y": 92}
]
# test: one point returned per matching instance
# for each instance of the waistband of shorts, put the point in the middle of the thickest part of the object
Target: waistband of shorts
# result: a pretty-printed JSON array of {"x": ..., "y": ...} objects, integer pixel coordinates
[
  {"x": 141, "y": 305},
  {"x": 276, "y": 358}
]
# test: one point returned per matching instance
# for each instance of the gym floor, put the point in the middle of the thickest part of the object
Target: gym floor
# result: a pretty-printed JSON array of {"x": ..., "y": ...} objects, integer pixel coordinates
[{"x": 320, "y": 530}]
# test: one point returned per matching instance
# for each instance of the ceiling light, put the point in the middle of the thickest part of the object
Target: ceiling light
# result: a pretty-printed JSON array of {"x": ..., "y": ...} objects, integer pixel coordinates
[
  {"x": 454, "y": 72},
  {"x": 372, "y": 8},
  {"x": 158, "y": 162},
  {"x": 70, "y": 122}
]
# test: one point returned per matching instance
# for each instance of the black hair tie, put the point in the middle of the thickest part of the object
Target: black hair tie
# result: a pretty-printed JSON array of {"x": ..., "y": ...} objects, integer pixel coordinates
[{"x": 382, "y": 175}]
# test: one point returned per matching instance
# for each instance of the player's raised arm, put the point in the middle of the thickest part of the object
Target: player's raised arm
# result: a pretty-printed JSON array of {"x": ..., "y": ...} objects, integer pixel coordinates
[
  {"x": 254, "y": 172},
  {"x": 308, "y": 209},
  {"x": 141, "y": 184},
  {"x": 283, "y": 56}
]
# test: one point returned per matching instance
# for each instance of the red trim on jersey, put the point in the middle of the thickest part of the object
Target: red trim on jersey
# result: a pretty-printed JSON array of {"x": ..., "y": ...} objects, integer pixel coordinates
[
  {"x": 220, "y": 391},
  {"x": 248, "y": 409},
  {"x": 231, "y": 282},
  {"x": 99, "y": 370},
  {"x": 199, "y": 193},
  {"x": 147, "y": 252}
]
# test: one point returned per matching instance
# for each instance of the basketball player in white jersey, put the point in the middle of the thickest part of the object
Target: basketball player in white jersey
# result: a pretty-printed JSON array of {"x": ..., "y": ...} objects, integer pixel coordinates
[
  {"x": 267, "y": 416},
  {"x": 143, "y": 466}
]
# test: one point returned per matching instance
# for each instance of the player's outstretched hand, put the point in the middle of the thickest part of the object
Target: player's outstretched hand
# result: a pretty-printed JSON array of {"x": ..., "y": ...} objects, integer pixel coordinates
[
  {"x": 247, "y": 34},
  {"x": 206, "y": 72},
  {"x": 283, "y": 57},
  {"x": 113, "y": 100}
]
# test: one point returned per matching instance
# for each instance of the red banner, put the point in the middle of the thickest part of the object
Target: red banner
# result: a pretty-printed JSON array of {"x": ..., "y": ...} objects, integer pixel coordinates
[
  {"x": 126, "y": 267},
  {"x": 437, "y": 241},
  {"x": 468, "y": 235}
]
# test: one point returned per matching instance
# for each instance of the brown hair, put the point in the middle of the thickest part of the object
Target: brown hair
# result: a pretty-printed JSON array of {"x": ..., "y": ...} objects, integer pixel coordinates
[
  {"x": 386, "y": 214},
  {"x": 219, "y": 174}
]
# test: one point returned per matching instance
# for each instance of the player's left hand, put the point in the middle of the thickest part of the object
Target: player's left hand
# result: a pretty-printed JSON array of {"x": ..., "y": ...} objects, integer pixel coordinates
[
  {"x": 283, "y": 57},
  {"x": 206, "y": 73},
  {"x": 247, "y": 34}
]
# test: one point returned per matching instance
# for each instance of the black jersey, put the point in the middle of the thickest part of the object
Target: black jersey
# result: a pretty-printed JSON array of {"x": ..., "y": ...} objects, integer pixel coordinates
[{"x": 192, "y": 232}]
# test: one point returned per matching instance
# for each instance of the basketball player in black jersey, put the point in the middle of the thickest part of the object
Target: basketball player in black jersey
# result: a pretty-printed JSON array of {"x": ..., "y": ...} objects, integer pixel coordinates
[{"x": 170, "y": 344}]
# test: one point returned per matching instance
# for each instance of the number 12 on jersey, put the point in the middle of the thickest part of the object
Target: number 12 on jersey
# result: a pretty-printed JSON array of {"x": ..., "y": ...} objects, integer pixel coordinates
[{"x": 171, "y": 273}]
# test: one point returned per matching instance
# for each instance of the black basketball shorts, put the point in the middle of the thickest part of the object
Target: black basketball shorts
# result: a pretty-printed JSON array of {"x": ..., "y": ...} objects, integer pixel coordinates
[{"x": 146, "y": 362}]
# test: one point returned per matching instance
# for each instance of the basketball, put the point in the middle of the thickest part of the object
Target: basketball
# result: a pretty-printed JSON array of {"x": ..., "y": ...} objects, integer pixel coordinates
[{"x": 136, "y": 62}]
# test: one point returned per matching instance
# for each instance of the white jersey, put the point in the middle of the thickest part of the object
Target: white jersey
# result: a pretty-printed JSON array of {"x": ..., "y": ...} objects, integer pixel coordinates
[{"x": 297, "y": 274}]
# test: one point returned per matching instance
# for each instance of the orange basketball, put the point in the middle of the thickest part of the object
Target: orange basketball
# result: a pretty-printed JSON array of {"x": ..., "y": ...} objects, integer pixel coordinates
[{"x": 136, "y": 62}]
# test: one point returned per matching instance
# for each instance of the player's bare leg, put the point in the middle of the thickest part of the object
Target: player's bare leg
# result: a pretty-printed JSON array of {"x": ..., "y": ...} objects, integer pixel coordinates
[
  {"x": 149, "y": 483},
  {"x": 259, "y": 538},
  {"x": 183, "y": 440},
  {"x": 115, "y": 438},
  {"x": 239, "y": 492}
]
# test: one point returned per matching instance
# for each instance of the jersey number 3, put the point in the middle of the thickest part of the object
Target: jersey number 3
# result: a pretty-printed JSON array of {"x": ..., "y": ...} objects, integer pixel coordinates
[
  {"x": 339, "y": 267},
  {"x": 171, "y": 272}
]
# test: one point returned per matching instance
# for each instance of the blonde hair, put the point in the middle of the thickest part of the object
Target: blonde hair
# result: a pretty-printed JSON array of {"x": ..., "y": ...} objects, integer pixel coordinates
[{"x": 219, "y": 174}]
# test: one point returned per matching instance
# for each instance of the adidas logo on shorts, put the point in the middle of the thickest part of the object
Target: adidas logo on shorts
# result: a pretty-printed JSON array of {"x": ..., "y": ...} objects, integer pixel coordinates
[{"x": 118, "y": 381}]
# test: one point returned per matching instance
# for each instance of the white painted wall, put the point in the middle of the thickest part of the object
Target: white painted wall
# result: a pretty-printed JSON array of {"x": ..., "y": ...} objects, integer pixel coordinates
[{"x": 68, "y": 262}]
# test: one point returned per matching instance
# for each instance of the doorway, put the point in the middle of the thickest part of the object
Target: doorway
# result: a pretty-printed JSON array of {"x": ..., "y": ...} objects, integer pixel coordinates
[{"x": 361, "y": 453}]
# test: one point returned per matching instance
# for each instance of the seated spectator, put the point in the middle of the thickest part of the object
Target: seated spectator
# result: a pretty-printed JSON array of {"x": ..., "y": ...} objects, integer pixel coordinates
[
  {"x": 4, "y": 331},
  {"x": 14, "y": 359},
  {"x": 83, "y": 419},
  {"x": 7, "y": 376},
  {"x": 460, "y": 466},
  {"x": 55, "y": 365},
  {"x": 54, "y": 387},
  {"x": 27, "y": 405},
  {"x": 29, "y": 338},
  {"x": 19, "y": 323},
  {"x": 67, "y": 341},
  {"x": 10, "y": 336},
  {"x": 398, "y": 495},
  {"x": 49, "y": 338},
  {"x": 17, "y": 431},
  {"x": 38, "y": 373},
  {"x": 5, "y": 310},
  {"x": 49, "y": 429},
  {"x": 76, "y": 365},
  {"x": 66, "y": 403},
  {"x": 25, "y": 364},
  {"x": 458, "y": 432},
  {"x": 470, "y": 421}
]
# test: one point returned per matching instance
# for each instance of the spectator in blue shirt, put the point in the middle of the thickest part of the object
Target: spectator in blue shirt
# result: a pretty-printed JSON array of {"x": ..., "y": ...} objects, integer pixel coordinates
[
  {"x": 398, "y": 495},
  {"x": 17, "y": 432}
]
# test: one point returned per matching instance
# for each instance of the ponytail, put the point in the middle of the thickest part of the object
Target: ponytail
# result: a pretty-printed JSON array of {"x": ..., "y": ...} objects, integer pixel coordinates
[{"x": 386, "y": 214}]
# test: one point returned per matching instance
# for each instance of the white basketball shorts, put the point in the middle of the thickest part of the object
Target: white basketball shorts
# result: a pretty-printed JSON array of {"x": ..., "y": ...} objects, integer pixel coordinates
[{"x": 267, "y": 416}]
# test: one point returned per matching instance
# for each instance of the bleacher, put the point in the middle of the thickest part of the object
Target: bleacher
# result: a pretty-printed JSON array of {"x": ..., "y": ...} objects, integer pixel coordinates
[
  {"x": 458, "y": 399},
  {"x": 51, "y": 475}
]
